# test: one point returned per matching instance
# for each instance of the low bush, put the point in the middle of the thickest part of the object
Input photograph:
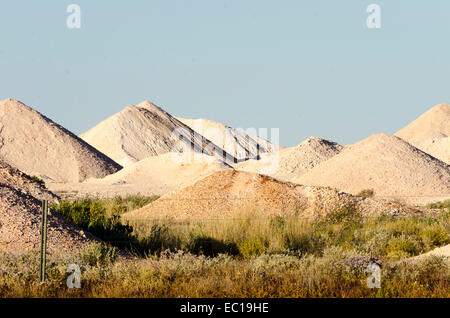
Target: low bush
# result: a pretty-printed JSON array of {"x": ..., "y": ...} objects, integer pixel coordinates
[
  {"x": 38, "y": 180},
  {"x": 98, "y": 254},
  {"x": 366, "y": 193}
]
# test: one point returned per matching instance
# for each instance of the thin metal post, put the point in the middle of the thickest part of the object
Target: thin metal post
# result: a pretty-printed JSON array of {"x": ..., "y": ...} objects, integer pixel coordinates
[{"x": 43, "y": 240}]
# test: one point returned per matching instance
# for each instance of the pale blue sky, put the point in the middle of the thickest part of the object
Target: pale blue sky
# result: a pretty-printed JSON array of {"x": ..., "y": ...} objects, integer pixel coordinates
[{"x": 306, "y": 67}]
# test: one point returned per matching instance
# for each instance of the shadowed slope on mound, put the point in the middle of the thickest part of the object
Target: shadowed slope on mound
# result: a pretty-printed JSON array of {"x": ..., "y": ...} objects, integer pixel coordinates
[
  {"x": 36, "y": 145},
  {"x": 14, "y": 178},
  {"x": 290, "y": 163},
  {"x": 236, "y": 142},
  {"x": 138, "y": 132},
  {"x": 388, "y": 165},
  {"x": 227, "y": 194}
]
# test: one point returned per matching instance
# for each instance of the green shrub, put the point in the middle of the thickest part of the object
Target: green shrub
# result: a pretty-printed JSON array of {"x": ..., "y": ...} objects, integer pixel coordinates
[
  {"x": 158, "y": 240},
  {"x": 91, "y": 216},
  {"x": 366, "y": 193},
  {"x": 119, "y": 205},
  {"x": 344, "y": 215},
  {"x": 38, "y": 180},
  {"x": 404, "y": 246},
  {"x": 440, "y": 205},
  {"x": 435, "y": 235},
  {"x": 251, "y": 248},
  {"x": 98, "y": 254}
]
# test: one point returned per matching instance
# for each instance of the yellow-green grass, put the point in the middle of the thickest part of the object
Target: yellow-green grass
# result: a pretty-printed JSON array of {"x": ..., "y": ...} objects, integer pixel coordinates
[{"x": 246, "y": 256}]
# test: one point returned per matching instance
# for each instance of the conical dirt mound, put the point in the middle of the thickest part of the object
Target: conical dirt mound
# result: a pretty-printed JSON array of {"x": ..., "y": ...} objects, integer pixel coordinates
[
  {"x": 227, "y": 194},
  {"x": 292, "y": 162},
  {"x": 388, "y": 165},
  {"x": 236, "y": 142},
  {"x": 20, "y": 221},
  {"x": 430, "y": 132},
  {"x": 138, "y": 132},
  {"x": 434, "y": 123},
  {"x": 36, "y": 145}
]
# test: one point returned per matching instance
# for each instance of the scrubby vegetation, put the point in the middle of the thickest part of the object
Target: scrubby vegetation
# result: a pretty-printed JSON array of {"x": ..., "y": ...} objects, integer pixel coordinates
[
  {"x": 38, "y": 180},
  {"x": 249, "y": 235},
  {"x": 385, "y": 237},
  {"x": 102, "y": 217},
  {"x": 445, "y": 205},
  {"x": 367, "y": 193},
  {"x": 186, "y": 275},
  {"x": 248, "y": 256}
]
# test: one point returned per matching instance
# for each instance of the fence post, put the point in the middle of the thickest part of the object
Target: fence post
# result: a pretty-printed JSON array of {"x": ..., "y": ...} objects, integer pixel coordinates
[{"x": 43, "y": 240}]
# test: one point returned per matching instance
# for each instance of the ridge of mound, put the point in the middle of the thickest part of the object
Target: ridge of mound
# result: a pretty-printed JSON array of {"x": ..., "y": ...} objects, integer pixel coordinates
[
  {"x": 20, "y": 221},
  {"x": 226, "y": 194},
  {"x": 38, "y": 146},
  {"x": 146, "y": 130},
  {"x": 14, "y": 178},
  {"x": 388, "y": 165},
  {"x": 234, "y": 141},
  {"x": 293, "y": 161}
]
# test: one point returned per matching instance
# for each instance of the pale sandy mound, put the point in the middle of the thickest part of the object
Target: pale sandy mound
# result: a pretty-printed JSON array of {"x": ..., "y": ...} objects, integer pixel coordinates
[
  {"x": 437, "y": 147},
  {"x": 227, "y": 194},
  {"x": 443, "y": 251},
  {"x": 388, "y": 165},
  {"x": 290, "y": 163},
  {"x": 138, "y": 132},
  {"x": 151, "y": 176},
  {"x": 14, "y": 178},
  {"x": 236, "y": 142},
  {"x": 36, "y": 145},
  {"x": 20, "y": 219},
  {"x": 431, "y": 132},
  {"x": 432, "y": 124}
]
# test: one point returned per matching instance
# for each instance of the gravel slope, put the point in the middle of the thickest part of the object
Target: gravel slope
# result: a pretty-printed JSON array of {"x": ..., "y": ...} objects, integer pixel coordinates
[
  {"x": 20, "y": 221},
  {"x": 226, "y": 194},
  {"x": 14, "y": 178}
]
